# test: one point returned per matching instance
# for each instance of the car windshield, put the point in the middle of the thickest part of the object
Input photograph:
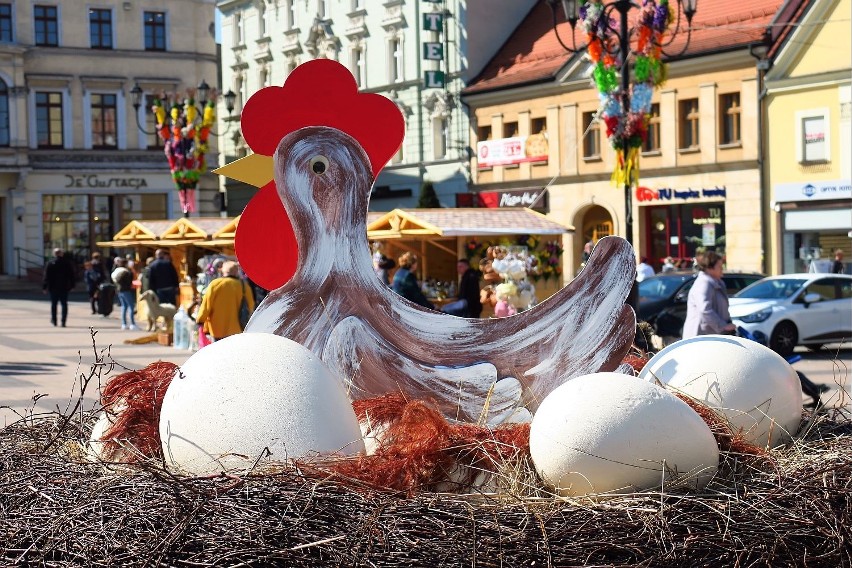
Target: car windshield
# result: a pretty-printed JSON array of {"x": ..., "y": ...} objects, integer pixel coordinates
[
  {"x": 772, "y": 289},
  {"x": 660, "y": 287}
]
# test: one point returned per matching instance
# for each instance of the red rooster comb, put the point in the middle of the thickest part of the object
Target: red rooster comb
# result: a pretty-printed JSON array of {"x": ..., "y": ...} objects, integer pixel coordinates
[{"x": 320, "y": 92}]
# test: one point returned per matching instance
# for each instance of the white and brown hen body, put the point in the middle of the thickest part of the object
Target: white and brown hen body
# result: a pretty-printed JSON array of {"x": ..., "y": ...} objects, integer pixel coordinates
[{"x": 380, "y": 342}]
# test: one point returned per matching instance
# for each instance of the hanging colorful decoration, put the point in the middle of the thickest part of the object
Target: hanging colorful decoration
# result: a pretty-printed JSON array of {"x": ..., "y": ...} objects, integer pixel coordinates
[
  {"x": 626, "y": 115},
  {"x": 185, "y": 141}
]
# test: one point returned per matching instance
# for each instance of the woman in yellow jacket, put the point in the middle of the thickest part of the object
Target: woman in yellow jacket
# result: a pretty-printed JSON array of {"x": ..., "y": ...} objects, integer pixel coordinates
[{"x": 220, "y": 307}]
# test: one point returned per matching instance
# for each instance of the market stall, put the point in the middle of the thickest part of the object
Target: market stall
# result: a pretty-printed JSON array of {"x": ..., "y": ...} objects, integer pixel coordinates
[{"x": 439, "y": 237}]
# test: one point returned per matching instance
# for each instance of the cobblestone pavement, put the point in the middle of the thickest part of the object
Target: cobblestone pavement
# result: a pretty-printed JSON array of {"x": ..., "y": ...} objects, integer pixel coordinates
[{"x": 37, "y": 358}]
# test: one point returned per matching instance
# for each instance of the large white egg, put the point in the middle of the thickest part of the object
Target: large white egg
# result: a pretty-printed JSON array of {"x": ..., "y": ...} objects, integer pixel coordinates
[
  {"x": 754, "y": 387},
  {"x": 237, "y": 397},
  {"x": 614, "y": 433}
]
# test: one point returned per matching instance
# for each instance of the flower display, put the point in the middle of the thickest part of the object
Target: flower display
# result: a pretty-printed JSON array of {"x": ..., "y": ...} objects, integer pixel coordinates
[
  {"x": 626, "y": 128},
  {"x": 548, "y": 256}
]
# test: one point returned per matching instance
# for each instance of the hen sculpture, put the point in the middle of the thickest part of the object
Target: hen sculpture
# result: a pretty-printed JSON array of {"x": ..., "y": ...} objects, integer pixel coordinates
[{"x": 377, "y": 341}]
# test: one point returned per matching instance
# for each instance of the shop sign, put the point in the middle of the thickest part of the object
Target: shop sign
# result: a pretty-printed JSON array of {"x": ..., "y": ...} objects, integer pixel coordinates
[
  {"x": 533, "y": 198},
  {"x": 97, "y": 181},
  {"x": 708, "y": 216},
  {"x": 668, "y": 194},
  {"x": 515, "y": 150},
  {"x": 814, "y": 190}
]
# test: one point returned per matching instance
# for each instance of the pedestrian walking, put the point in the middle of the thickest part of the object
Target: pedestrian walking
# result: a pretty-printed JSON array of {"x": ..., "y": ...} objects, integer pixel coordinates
[
  {"x": 93, "y": 278},
  {"x": 123, "y": 278},
  {"x": 58, "y": 281}
]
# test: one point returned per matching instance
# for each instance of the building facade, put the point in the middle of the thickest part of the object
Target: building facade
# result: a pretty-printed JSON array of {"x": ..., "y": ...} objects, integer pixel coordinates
[
  {"x": 418, "y": 53},
  {"x": 809, "y": 137},
  {"x": 74, "y": 165},
  {"x": 700, "y": 183}
]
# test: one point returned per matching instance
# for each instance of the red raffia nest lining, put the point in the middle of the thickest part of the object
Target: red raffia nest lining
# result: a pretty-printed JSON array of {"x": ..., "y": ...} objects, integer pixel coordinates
[{"x": 418, "y": 450}]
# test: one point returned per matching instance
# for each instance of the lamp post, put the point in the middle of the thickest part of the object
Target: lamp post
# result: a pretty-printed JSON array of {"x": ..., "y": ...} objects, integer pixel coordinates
[
  {"x": 609, "y": 42},
  {"x": 184, "y": 130}
]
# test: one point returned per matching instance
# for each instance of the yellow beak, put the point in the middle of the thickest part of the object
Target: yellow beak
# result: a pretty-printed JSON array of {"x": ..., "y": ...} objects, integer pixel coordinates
[{"x": 254, "y": 169}]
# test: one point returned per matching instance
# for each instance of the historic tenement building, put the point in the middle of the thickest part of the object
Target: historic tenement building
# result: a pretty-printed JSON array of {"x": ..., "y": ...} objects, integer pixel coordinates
[
  {"x": 74, "y": 165},
  {"x": 418, "y": 53},
  {"x": 701, "y": 183}
]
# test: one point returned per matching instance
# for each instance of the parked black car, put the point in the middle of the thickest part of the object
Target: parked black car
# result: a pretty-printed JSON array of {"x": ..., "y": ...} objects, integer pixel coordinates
[{"x": 662, "y": 298}]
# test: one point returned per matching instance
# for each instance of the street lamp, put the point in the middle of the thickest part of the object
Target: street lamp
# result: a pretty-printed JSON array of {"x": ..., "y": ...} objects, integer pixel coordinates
[
  {"x": 184, "y": 130},
  {"x": 625, "y": 111}
]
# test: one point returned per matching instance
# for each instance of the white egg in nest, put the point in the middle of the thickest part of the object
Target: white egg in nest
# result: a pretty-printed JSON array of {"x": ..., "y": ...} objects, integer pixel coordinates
[
  {"x": 98, "y": 448},
  {"x": 237, "y": 398},
  {"x": 613, "y": 433},
  {"x": 751, "y": 385}
]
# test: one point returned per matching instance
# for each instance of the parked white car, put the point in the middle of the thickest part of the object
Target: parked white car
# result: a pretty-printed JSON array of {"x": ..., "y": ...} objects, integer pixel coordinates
[{"x": 796, "y": 309}]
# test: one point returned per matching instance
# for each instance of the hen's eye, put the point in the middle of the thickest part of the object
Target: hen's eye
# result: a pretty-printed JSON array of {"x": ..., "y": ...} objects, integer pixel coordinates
[{"x": 319, "y": 164}]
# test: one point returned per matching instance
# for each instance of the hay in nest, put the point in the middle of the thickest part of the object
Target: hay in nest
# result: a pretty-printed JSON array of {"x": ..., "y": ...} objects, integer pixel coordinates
[
  {"x": 58, "y": 510},
  {"x": 785, "y": 507}
]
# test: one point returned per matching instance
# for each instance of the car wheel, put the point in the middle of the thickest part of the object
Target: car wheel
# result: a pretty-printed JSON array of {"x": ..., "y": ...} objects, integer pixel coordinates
[
  {"x": 814, "y": 347},
  {"x": 784, "y": 338}
]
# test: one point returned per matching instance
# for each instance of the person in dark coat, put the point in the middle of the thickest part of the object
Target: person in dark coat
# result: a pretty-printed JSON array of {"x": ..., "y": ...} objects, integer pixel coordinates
[
  {"x": 163, "y": 278},
  {"x": 93, "y": 278},
  {"x": 469, "y": 304},
  {"x": 405, "y": 283},
  {"x": 58, "y": 281}
]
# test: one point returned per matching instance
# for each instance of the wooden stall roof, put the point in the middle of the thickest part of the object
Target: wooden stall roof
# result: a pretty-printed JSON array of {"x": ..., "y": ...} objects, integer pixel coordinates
[
  {"x": 229, "y": 231},
  {"x": 142, "y": 230},
  {"x": 455, "y": 222},
  {"x": 196, "y": 228}
]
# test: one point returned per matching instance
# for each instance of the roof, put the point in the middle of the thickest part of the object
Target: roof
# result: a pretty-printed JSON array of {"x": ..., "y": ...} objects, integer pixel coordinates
[
  {"x": 453, "y": 222},
  {"x": 532, "y": 53},
  {"x": 141, "y": 230}
]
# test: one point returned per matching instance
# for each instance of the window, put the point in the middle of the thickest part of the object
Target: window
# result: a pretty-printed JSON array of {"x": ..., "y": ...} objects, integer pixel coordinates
[
  {"x": 239, "y": 37},
  {"x": 46, "y": 26},
  {"x": 4, "y": 114},
  {"x": 688, "y": 124},
  {"x": 358, "y": 67},
  {"x": 652, "y": 141},
  {"x": 440, "y": 137},
  {"x": 538, "y": 126},
  {"x": 591, "y": 136},
  {"x": 100, "y": 28},
  {"x": 483, "y": 133},
  {"x": 729, "y": 119},
  {"x": 357, "y": 4},
  {"x": 6, "y": 23},
  {"x": 240, "y": 90},
  {"x": 261, "y": 19},
  {"x": 155, "y": 31},
  {"x": 153, "y": 141},
  {"x": 103, "y": 121},
  {"x": 813, "y": 143},
  {"x": 321, "y": 8},
  {"x": 395, "y": 52},
  {"x": 264, "y": 77},
  {"x": 49, "y": 120},
  {"x": 291, "y": 14},
  {"x": 825, "y": 287},
  {"x": 510, "y": 129}
]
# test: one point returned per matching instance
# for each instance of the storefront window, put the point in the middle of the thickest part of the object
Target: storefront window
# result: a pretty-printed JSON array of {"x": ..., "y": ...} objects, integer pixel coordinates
[
  {"x": 77, "y": 222},
  {"x": 680, "y": 231}
]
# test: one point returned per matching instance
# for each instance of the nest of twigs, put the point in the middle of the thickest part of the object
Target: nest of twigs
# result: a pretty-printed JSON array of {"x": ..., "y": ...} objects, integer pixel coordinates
[
  {"x": 787, "y": 507},
  {"x": 58, "y": 510}
]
